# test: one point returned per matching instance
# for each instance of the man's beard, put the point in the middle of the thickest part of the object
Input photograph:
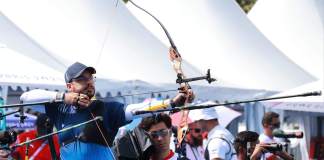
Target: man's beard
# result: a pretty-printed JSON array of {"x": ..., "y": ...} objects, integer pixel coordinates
[
  {"x": 195, "y": 142},
  {"x": 89, "y": 91}
]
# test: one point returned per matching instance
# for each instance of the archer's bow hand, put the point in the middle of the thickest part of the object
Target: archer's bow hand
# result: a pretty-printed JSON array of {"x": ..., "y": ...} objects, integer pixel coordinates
[
  {"x": 190, "y": 96},
  {"x": 183, "y": 97}
]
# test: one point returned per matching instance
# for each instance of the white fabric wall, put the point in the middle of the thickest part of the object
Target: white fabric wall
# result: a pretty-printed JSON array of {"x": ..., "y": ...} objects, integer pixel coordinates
[
  {"x": 17, "y": 39},
  {"x": 19, "y": 70},
  {"x": 100, "y": 33},
  {"x": 295, "y": 27}
]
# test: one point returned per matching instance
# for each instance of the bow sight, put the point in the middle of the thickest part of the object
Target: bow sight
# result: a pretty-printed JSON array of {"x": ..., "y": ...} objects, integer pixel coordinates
[{"x": 185, "y": 80}]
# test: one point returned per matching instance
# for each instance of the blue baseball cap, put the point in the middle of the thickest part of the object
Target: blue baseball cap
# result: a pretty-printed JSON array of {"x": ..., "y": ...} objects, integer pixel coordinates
[{"x": 75, "y": 71}]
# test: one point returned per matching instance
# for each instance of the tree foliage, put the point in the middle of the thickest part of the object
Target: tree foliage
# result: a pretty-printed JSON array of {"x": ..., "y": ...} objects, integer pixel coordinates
[{"x": 246, "y": 5}]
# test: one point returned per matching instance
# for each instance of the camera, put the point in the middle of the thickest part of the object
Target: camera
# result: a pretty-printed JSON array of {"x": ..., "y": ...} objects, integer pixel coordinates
[
  {"x": 272, "y": 147},
  {"x": 8, "y": 137}
]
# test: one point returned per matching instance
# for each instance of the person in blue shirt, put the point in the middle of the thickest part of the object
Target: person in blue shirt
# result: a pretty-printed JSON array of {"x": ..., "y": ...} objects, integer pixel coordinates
[{"x": 91, "y": 141}]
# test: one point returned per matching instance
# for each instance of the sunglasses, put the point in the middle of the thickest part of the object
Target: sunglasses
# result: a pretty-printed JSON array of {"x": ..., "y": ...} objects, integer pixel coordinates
[
  {"x": 276, "y": 125},
  {"x": 196, "y": 130},
  {"x": 157, "y": 134},
  {"x": 83, "y": 79}
]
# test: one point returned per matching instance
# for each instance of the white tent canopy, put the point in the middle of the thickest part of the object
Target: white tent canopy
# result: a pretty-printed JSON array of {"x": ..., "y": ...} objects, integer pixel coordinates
[
  {"x": 16, "y": 39},
  {"x": 19, "y": 70},
  {"x": 100, "y": 33},
  {"x": 218, "y": 35},
  {"x": 296, "y": 27},
  {"x": 308, "y": 104}
]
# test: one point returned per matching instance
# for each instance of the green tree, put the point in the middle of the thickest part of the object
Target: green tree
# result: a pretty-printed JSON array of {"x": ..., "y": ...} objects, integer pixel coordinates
[{"x": 246, "y": 5}]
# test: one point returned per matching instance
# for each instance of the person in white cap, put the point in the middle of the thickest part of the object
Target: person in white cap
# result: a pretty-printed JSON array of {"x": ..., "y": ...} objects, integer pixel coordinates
[{"x": 219, "y": 144}]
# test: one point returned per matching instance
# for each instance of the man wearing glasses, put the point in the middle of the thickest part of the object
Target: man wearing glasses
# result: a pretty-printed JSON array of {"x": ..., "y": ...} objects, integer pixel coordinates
[
  {"x": 270, "y": 121},
  {"x": 158, "y": 127},
  {"x": 194, "y": 142},
  {"x": 219, "y": 145},
  {"x": 91, "y": 141}
]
